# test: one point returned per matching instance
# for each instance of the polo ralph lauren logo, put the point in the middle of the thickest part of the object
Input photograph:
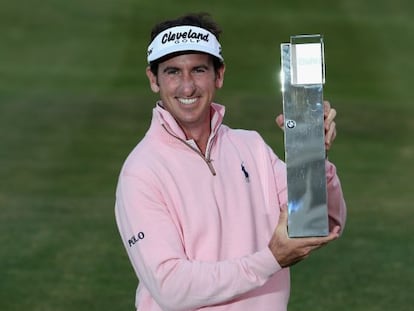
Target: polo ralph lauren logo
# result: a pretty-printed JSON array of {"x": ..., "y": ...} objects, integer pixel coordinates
[
  {"x": 136, "y": 238},
  {"x": 246, "y": 174}
]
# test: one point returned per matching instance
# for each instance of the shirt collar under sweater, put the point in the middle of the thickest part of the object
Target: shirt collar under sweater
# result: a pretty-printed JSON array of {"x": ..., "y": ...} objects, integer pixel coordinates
[{"x": 167, "y": 120}]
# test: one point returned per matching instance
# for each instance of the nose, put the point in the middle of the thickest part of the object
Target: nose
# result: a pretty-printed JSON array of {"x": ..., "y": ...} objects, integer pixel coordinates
[{"x": 188, "y": 85}]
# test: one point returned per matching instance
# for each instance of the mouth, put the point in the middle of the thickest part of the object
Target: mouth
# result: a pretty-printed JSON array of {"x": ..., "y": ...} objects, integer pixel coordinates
[{"x": 187, "y": 101}]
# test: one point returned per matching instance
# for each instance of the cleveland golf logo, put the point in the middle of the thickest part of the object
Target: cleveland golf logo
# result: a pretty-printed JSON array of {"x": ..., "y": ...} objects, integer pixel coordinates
[{"x": 184, "y": 36}]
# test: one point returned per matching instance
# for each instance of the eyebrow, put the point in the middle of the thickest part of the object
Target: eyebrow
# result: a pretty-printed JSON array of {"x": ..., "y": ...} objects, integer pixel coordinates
[{"x": 176, "y": 68}]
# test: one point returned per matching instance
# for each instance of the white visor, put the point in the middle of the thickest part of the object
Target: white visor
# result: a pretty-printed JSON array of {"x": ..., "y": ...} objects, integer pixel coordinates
[{"x": 184, "y": 38}]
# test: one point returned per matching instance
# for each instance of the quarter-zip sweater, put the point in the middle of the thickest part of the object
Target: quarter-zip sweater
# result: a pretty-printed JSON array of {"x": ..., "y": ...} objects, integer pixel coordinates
[{"x": 196, "y": 227}]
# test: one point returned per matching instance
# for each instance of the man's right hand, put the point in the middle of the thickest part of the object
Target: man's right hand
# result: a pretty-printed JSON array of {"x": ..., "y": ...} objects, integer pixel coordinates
[{"x": 288, "y": 251}]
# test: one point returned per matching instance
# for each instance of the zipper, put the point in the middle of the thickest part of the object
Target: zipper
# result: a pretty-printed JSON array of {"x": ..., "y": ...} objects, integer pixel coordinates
[{"x": 207, "y": 159}]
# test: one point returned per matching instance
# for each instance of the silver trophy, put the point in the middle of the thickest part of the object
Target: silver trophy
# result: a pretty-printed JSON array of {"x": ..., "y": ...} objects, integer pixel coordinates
[{"x": 302, "y": 78}]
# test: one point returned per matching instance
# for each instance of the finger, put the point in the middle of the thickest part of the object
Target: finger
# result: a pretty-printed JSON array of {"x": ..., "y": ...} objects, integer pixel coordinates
[
  {"x": 280, "y": 121},
  {"x": 330, "y": 135},
  {"x": 330, "y": 117},
  {"x": 333, "y": 235},
  {"x": 336, "y": 230},
  {"x": 326, "y": 107},
  {"x": 317, "y": 242}
]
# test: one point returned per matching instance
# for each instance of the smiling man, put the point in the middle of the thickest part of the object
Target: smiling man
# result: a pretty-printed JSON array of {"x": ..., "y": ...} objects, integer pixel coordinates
[
  {"x": 186, "y": 84},
  {"x": 201, "y": 207}
]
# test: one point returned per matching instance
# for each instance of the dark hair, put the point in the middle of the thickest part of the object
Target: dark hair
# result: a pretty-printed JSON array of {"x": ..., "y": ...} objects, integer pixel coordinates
[{"x": 202, "y": 20}]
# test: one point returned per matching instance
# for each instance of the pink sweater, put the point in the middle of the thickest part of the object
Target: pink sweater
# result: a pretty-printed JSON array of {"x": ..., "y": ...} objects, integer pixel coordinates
[{"x": 196, "y": 228}]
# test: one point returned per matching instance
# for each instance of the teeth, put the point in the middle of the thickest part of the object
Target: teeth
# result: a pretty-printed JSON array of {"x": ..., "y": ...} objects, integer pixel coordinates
[{"x": 187, "y": 101}]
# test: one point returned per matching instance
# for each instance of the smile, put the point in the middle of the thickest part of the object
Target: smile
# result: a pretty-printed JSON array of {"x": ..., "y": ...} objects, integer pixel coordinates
[{"x": 187, "y": 101}]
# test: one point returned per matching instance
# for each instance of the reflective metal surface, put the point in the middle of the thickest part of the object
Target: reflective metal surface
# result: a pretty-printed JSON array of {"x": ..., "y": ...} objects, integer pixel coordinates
[{"x": 304, "y": 138}]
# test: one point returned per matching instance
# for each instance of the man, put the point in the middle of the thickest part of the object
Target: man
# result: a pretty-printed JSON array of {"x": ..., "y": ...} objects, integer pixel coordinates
[{"x": 201, "y": 208}]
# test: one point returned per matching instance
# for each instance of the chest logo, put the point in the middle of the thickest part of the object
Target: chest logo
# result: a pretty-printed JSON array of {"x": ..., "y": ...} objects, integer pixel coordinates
[{"x": 245, "y": 173}]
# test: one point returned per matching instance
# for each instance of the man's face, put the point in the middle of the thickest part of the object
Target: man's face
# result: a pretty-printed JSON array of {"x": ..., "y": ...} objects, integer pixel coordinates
[{"x": 187, "y": 85}]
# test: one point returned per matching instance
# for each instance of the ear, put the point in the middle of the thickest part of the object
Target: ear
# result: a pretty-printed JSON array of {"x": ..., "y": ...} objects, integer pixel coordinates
[
  {"x": 152, "y": 80},
  {"x": 220, "y": 76}
]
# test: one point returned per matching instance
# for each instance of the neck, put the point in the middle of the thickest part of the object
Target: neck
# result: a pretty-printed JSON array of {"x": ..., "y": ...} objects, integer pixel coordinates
[{"x": 200, "y": 136}]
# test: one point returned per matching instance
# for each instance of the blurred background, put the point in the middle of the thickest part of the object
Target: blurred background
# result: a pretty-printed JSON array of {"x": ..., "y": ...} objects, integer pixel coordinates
[{"x": 74, "y": 101}]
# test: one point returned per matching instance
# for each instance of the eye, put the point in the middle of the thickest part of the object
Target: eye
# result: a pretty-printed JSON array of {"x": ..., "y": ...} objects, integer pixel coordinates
[
  {"x": 200, "y": 69},
  {"x": 171, "y": 71}
]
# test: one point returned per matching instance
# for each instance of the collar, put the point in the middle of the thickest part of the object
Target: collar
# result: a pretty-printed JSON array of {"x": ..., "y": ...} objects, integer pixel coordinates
[{"x": 166, "y": 119}]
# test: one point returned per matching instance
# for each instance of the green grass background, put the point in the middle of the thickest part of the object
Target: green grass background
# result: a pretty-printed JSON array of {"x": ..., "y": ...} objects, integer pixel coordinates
[{"x": 74, "y": 101}]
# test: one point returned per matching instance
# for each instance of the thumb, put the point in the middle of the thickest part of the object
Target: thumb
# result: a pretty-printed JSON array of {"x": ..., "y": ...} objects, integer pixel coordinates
[{"x": 283, "y": 217}]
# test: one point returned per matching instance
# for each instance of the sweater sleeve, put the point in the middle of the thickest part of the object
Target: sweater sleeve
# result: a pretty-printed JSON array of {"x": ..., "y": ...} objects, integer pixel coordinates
[{"x": 154, "y": 246}]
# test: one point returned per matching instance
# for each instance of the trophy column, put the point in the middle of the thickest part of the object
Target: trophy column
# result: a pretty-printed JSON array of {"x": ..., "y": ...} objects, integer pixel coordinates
[{"x": 303, "y": 76}]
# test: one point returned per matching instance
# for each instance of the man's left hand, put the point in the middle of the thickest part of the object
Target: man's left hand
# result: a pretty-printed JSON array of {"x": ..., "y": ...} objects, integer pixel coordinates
[{"x": 329, "y": 123}]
